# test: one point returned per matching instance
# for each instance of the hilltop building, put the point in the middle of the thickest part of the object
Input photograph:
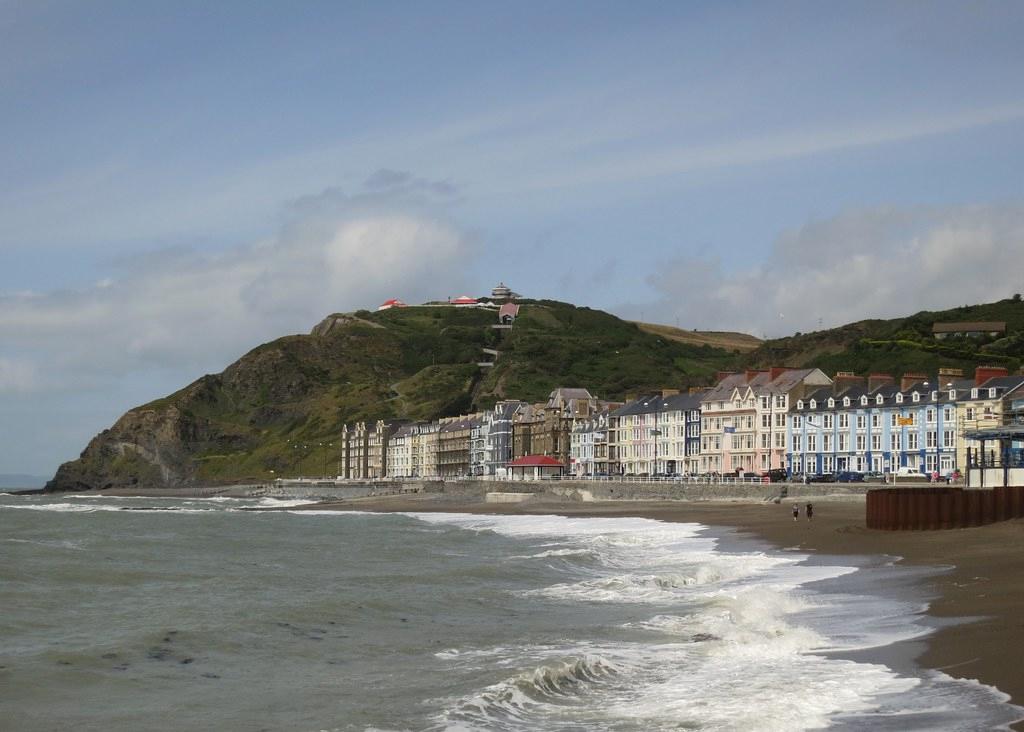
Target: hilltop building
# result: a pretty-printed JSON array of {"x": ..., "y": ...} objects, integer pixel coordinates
[
  {"x": 501, "y": 291},
  {"x": 975, "y": 329},
  {"x": 392, "y": 303}
]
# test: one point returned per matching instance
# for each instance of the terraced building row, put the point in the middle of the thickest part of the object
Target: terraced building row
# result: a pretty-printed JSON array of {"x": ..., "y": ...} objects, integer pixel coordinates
[{"x": 751, "y": 422}]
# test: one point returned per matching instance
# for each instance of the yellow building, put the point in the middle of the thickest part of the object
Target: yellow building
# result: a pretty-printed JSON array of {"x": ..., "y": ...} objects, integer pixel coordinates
[{"x": 984, "y": 404}]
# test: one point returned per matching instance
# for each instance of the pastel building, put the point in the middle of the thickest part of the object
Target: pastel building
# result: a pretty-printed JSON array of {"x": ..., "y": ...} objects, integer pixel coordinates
[
  {"x": 491, "y": 439},
  {"x": 658, "y": 434},
  {"x": 987, "y": 402},
  {"x": 743, "y": 418},
  {"x": 877, "y": 426},
  {"x": 588, "y": 450}
]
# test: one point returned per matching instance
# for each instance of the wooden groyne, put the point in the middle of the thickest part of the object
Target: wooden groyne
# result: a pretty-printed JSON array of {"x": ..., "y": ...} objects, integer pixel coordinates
[{"x": 917, "y": 509}]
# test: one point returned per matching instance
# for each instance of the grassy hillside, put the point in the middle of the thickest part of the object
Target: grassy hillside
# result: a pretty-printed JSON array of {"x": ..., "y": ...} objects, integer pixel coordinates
[
  {"x": 903, "y": 344},
  {"x": 278, "y": 409},
  {"x": 715, "y": 338}
]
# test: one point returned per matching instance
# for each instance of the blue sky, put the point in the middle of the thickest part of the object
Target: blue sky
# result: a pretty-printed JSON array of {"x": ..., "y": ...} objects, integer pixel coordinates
[{"x": 181, "y": 181}]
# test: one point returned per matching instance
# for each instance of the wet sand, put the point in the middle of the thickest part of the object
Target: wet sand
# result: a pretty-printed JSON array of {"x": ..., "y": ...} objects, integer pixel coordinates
[{"x": 984, "y": 585}]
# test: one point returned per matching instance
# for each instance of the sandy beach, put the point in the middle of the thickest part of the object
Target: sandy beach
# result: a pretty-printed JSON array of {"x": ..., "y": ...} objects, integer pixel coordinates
[{"x": 984, "y": 584}]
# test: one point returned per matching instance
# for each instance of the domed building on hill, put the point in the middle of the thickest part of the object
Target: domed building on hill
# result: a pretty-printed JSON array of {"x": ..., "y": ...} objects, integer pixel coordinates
[{"x": 502, "y": 291}]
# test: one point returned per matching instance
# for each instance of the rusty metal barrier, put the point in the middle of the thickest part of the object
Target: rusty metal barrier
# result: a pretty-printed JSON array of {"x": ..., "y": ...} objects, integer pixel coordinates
[{"x": 915, "y": 509}]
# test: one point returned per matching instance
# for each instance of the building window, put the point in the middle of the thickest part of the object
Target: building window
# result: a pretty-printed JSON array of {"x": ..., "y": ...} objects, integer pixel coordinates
[
  {"x": 844, "y": 420},
  {"x": 826, "y": 421},
  {"x": 911, "y": 440},
  {"x": 948, "y": 438},
  {"x": 860, "y": 443},
  {"x": 862, "y": 421}
]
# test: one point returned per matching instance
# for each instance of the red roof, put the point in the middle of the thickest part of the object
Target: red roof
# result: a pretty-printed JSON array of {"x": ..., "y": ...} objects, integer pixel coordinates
[
  {"x": 535, "y": 461},
  {"x": 464, "y": 300}
]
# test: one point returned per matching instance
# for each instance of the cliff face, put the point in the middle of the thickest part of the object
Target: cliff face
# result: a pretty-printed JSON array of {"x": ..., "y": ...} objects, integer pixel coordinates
[
  {"x": 278, "y": 410},
  {"x": 150, "y": 447}
]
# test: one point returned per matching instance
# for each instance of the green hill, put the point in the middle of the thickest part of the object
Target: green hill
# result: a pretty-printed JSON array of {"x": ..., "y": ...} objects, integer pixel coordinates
[
  {"x": 903, "y": 344},
  {"x": 279, "y": 407}
]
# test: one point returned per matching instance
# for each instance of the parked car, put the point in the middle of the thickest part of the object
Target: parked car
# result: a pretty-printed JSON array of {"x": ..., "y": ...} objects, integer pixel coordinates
[
  {"x": 776, "y": 475},
  {"x": 874, "y": 476},
  {"x": 849, "y": 476},
  {"x": 822, "y": 478},
  {"x": 905, "y": 471}
]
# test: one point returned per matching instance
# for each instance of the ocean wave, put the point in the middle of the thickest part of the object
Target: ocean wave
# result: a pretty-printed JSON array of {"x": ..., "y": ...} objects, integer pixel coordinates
[
  {"x": 61, "y": 507},
  {"x": 512, "y": 700},
  {"x": 552, "y": 553},
  {"x": 51, "y": 543}
]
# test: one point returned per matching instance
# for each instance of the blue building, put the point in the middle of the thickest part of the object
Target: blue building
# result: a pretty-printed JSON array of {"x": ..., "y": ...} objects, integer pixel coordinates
[{"x": 875, "y": 425}]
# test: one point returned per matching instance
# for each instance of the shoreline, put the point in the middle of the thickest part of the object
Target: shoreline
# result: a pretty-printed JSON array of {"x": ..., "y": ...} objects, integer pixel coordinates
[{"x": 975, "y": 604}]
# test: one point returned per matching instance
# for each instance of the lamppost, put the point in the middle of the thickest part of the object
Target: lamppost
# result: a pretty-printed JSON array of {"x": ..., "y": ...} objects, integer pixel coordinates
[
  {"x": 325, "y": 446},
  {"x": 655, "y": 433},
  {"x": 299, "y": 455}
]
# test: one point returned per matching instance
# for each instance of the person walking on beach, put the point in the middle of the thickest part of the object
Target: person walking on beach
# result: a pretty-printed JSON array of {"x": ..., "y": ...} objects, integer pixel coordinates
[
  {"x": 796, "y": 511},
  {"x": 810, "y": 511}
]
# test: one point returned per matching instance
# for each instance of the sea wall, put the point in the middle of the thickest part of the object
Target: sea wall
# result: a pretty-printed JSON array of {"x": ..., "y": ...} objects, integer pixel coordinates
[{"x": 563, "y": 490}]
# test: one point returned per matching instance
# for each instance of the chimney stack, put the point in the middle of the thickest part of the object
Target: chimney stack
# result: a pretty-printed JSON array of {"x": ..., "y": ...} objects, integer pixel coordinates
[
  {"x": 952, "y": 373},
  {"x": 911, "y": 378},
  {"x": 722, "y": 375},
  {"x": 666, "y": 393},
  {"x": 877, "y": 380},
  {"x": 777, "y": 371},
  {"x": 845, "y": 380},
  {"x": 752, "y": 374},
  {"x": 984, "y": 373}
]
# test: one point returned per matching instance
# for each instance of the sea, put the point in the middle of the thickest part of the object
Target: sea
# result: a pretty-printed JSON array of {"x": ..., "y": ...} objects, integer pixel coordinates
[{"x": 212, "y": 614}]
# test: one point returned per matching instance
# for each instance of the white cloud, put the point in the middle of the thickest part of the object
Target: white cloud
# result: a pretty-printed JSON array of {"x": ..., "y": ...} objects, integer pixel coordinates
[
  {"x": 191, "y": 311},
  {"x": 883, "y": 262}
]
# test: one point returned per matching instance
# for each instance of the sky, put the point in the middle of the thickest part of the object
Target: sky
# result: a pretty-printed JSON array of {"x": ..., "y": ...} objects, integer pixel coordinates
[{"x": 182, "y": 181}]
